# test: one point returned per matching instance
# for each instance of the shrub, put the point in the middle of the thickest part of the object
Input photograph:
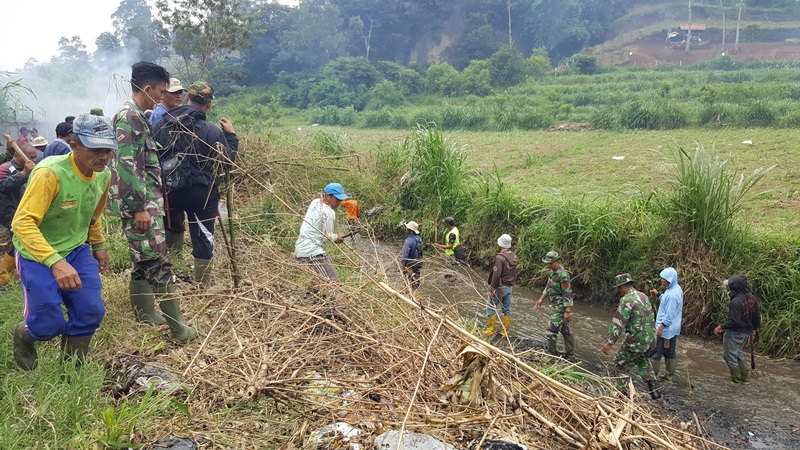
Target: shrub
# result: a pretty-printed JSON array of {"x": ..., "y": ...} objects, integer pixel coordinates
[
  {"x": 507, "y": 67},
  {"x": 584, "y": 64},
  {"x": 329, "y": 92},
  {"x": 383, "y": 94},
  {"x": 443, "y": 79},
  {"x": 329, "y": 143},
  {"x": 331, "y": 115}
]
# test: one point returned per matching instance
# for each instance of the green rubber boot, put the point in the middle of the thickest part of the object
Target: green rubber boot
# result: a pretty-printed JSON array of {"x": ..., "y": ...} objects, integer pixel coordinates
[
  {"x": 171, "y": 309},
  {"x": 143, "y": 303},
  {"x": 24, "y": 348},
  {"x": 736, "y": 375},
  {"x": 174, "y": 239},
  {"x": 656, "y": 363},
  {"x": 569, "y": 346},
  {"x": 669, "y": 373},
  {"x": 202, "y": 271},
  {"x": 75, "y": 347},
  {"x": 744, "y": 370},
  {"x": 552, "y": 341}
]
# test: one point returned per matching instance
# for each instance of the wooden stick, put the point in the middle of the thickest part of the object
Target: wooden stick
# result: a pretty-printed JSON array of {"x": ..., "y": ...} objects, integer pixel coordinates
[
  {"x": 16, "y": 148},
  {"x": 558, "y": 430}
]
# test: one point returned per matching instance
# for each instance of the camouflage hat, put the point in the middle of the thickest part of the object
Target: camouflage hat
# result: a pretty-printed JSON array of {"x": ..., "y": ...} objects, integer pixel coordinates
[
  {"x": 622, "y": 279},
  {"x": 96, "y": 112},
  {"x": 551, "y": 256},
  {"x": 201, "y": 90}
]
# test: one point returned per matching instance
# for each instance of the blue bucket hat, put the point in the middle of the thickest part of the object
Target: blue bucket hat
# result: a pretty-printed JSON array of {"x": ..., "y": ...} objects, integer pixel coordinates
[
  {"x": 336, "y": 190},
  {"x": 95, "y": 131}
]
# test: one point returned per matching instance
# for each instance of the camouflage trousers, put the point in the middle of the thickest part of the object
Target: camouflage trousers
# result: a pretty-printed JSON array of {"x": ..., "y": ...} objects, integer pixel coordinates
[
  {"x": 148, "y": 251},
  {"x": 557, "y": 324},
  {"x": 628, "y": 363}
]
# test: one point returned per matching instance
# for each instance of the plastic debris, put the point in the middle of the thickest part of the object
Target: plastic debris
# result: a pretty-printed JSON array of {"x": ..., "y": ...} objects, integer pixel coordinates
[
  {"x": 747, "y": 142},
  {"x": 328, "y": 434},
  {"x": 497, "y": 444},
  {"x": 617, "y": 158},
  {"x": 411, "y": 441}
]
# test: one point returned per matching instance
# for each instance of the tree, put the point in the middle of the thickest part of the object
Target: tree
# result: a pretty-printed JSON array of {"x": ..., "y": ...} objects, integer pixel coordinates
[
  {"x": 507, "y": 67},
  {"x": 258, "y": 58},
  {"x": 205, "y": 32},
  {"x": 71, "y": 50},
  {"x": 357, "y": 24},
  {"x": 736, "y": 48},
  {"x": 107, "y": 47},
  {"x": 313, "y": 38},
  {"x": 136, "y": 29}
]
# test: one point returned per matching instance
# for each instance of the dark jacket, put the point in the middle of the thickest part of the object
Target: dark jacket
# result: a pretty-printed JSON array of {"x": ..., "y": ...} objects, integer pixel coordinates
[
  {"x": 743, "y": 315},
  {"x": 412, "y": 251},
  {"x": 504, "y": 271},
  {"x": 12, "y": 186},
  {"x": 208, "y": 163}
]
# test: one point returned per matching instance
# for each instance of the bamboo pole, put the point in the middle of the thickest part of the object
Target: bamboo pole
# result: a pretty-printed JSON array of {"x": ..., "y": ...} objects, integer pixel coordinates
[
  {"x": 13, "y": 144},
  {"x": 232, "y": 242}
]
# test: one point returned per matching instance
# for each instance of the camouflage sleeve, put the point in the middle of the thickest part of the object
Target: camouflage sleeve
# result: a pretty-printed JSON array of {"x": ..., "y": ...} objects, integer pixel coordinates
[
  {"x": 560, "y": 288},
  {"x": 548, "y": 289},
  {"x": 130, "y": 161},
  {"x": 619, "y": 322}
]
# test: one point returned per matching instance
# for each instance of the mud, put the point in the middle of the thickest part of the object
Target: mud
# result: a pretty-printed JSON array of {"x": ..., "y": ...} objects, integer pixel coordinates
[{"x": 762, "y": 415}]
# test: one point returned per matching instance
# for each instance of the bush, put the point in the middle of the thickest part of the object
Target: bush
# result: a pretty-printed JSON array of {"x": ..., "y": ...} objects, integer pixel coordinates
[
  {"x": 384, "y": 94},
  {"x": 584, "y": 64},
  {"x": 330, "y": 92},
  {"x": 331, "y": 115},
  {"x": 329, "y": 143},
  {"x": 443, "y": 79},
  {"x": 507, "y": 67}
]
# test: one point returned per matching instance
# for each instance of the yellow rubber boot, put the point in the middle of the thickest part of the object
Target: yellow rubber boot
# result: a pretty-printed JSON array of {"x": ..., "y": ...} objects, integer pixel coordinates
[
  {"x": 490, "y": 326},
  {"x": 506, "y": 323}
]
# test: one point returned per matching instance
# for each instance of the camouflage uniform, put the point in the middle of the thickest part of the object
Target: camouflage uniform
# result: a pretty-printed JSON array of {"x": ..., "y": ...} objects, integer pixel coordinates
[
  {"x": 559, "y": 292},
  {"x": 136, "y": 186},
  {"x": 634, "y": 317}
]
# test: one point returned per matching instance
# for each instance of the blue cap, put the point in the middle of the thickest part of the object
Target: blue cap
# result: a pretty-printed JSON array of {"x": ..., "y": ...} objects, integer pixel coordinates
[
  {"x": 336, "y": 190},
  {"x": 95, "y": 131}
]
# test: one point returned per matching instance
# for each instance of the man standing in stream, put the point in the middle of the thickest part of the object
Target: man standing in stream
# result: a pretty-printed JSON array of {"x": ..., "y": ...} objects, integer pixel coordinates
[
  {"x": 559, "y": 292},
  {"x": 744, "y": 319},
  {"x": 668, "y": 323},
  {"x": 501, "y": 281}
]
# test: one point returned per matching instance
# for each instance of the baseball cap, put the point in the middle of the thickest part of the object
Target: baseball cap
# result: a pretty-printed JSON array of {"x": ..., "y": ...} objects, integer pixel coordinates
[
  {"x": 201, "y": 90},
  {"x": 175, "y": 85},
  {"x": 336, "y": 190},
  {"x": 95, "y": 131},
  {"x": 39, "y": 141},
  {"x": 63, "y": 129},
  {"x": 449, "y": 220}
]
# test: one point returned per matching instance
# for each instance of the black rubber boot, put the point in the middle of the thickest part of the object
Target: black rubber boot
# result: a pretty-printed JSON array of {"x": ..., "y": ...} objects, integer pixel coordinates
[
  {"x": 75, "y": 348},
  {"x": 24, "y": 348},
  {"x": 654, "y": 394}
]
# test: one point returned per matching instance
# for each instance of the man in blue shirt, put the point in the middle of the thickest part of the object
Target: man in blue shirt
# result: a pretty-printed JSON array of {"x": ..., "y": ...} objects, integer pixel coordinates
[
  {"x": 172, "y": 99},
  {"x": 412, "y": 255},
  {"x": 61, "y": 145},
  {"x": 668, "y": 323}
]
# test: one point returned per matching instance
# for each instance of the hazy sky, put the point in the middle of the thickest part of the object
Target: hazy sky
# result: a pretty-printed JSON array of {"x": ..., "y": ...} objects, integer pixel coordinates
[{"x": 32, "y": 28}]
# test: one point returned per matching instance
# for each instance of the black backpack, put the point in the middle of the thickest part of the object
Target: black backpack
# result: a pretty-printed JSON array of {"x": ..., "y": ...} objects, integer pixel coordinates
[{"x": 176, "y": 164}]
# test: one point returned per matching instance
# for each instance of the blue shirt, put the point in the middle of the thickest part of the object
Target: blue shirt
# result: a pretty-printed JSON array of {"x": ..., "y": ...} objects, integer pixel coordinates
[
  {"x": 158, "y": 113},
  {"x": 670, "y": 312},
  {"x": 409, "y": 256},
  {"x": 57, "y": 147}
]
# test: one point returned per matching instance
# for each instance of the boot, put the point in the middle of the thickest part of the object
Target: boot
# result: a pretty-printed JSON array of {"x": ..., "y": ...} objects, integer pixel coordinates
[
  {"x": 569, "y": 346},
  {"x": 669, "y": 373},
  {"x": 736, "y": 375},
  {"x": 744, "y": 369},
  {"x": 8, "y": 267},
  {"x": 171, "y": 309},
  {"x": 506, "y": 324},
  {"x": 174, "y": 239},
  {"x": 654, "y": 394},
  {"x": 656, "y": 363},
  {"x": 75, "y": 347},
  {"x": 143, "y": 303},
  {"x": 24, "y": 348},
  {"x": 552, "y": 341},
  {"x": 202, "y": 271},
  {"x": 491, "y": 323}
]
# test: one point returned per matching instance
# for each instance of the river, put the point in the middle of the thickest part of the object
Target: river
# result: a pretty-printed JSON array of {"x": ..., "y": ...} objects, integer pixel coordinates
[{"x": 762, "y": 415}]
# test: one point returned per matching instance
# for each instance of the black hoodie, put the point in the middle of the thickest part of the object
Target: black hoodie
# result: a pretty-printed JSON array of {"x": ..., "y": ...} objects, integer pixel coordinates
[
  {"x": 743, "y": 316},
  {"x": 171, "y": 133}
]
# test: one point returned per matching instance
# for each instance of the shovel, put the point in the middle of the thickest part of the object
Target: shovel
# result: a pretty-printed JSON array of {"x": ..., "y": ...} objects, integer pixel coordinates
[{"x": 753, "y": 370}]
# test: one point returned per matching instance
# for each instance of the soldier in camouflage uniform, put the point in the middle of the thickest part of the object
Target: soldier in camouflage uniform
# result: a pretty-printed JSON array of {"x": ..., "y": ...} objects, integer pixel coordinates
[
  {"x": 559, "y": 292},
  {"x": 635, "y": 318},
  {"x": 139, "y": 200}
]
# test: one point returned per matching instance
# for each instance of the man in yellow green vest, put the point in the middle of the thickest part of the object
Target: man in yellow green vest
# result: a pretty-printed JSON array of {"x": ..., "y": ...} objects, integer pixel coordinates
[{"x": 452, "y": 246}]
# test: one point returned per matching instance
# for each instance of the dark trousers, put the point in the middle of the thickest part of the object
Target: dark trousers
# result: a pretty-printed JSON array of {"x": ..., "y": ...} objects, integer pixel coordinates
[{"x": 200, "y": 205}]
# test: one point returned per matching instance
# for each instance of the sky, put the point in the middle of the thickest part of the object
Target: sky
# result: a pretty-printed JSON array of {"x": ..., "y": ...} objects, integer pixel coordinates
[{"x": 53, "y": 20}]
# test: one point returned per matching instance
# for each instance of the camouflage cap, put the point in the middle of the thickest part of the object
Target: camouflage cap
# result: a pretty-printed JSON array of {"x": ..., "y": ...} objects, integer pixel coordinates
[
  {"x": 623, "y": 279},
  {"x": 201, "y": 90},
  {"x": 96, "y": 112},
  {"x": 551, "y": 256}
]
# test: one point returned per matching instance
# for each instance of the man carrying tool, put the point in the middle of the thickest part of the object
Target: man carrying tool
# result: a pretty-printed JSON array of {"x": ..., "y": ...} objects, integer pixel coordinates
[
  {"x": 452, "y": 247},
  {"x": 559, "y": 293},
  {"x": 744, "y": 319},
  {"x": 668, "y": 323},
  {"x": 140, "y": 204},
  {"x": 634, "y": 317},
  {"x": 195, "y": 154},
  {"x": 412, "y": 256},
  {"x": 317, "y": 228},
  {"x": 58, "y": 234},
  {"x": 13, "y": 178},
  {"x": 501, "y": 280}
]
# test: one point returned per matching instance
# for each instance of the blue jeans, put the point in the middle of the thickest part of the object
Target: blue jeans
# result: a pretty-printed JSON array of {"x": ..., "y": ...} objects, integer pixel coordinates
[
  {"x": 493, "y": 303},
  {"x": 732, "y": 345},
  {"x": 42, "y": 298}
]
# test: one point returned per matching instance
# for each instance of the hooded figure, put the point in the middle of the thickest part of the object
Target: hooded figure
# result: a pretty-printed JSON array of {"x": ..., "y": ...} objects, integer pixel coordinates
[
  {"x": 668, "y": 323},
  {"x": 743, "y": 319}
]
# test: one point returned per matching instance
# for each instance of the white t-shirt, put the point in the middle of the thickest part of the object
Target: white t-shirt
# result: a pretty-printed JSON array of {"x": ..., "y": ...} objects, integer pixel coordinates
[{"x": 317, "y": 227}]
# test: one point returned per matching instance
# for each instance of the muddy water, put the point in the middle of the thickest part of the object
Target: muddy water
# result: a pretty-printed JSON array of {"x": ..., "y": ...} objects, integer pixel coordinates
[{"x": 762, "y": 415}]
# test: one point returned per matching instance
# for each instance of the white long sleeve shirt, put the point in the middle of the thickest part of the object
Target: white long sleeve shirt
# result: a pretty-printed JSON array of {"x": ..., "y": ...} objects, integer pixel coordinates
[{"x": 317, "y": 227}]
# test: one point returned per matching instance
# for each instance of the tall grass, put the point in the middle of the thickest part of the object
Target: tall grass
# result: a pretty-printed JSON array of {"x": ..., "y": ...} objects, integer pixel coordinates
[{"x": 707, "y": 196}]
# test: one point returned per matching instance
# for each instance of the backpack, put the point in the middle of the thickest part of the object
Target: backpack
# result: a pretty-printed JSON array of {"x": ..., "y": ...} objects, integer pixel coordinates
[{"x": 176, "y": 169}]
